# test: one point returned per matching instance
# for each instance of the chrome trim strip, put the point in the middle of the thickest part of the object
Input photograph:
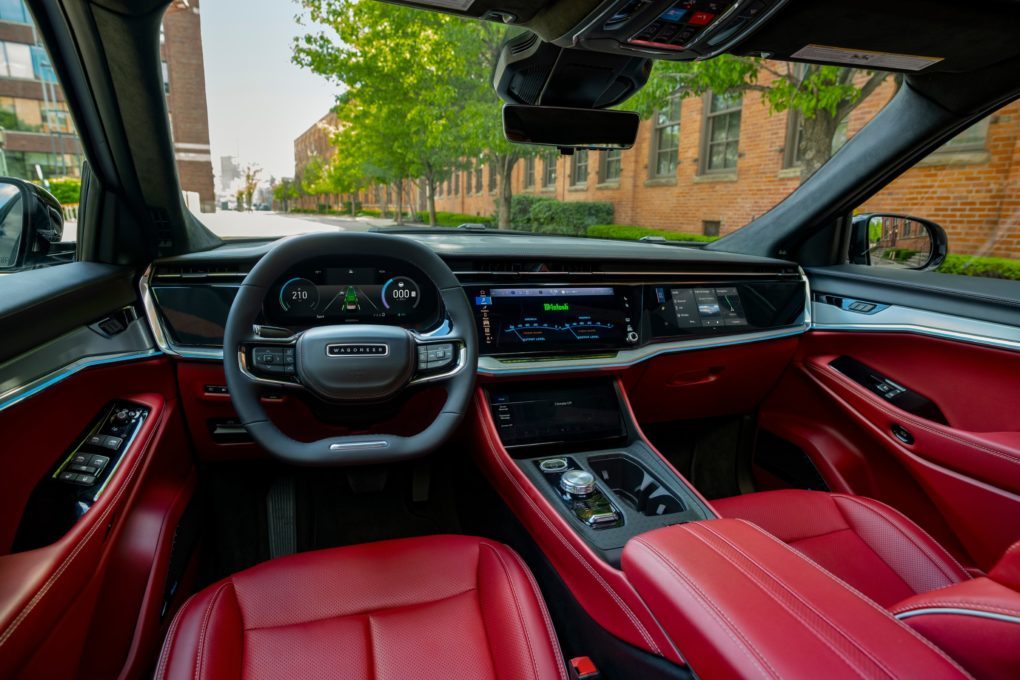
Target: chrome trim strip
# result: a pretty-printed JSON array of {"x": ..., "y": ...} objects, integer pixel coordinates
[
  {"x": 357, "y": 446},
  {"x": 895, "y": 319},
  {"x": 492, "y": 366},
  {"x": 958, "y": 612},
  {"x": 159, "y": 332}
]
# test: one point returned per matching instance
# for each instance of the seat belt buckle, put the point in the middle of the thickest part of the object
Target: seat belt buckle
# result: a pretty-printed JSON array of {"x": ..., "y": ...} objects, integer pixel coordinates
[{"x": 584, "y": 669}]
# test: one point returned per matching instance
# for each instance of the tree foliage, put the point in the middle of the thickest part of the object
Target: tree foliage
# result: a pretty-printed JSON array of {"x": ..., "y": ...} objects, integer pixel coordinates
[
  {"x": 417, "y": 97},
  {"x": 822, "y": 96}
]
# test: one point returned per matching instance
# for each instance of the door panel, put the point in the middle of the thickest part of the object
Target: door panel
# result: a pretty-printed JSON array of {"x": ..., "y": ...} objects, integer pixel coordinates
[
  {"x": 49, "y": 596},
  {"x": 968, "y": 468}
]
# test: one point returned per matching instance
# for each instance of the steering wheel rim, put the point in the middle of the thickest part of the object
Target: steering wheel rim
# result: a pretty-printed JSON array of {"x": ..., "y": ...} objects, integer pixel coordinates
[{"x": 458, "y": 329}]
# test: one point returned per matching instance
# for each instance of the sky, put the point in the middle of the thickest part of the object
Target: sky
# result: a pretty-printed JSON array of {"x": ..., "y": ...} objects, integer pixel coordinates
[{"x": 258, "y": 100}]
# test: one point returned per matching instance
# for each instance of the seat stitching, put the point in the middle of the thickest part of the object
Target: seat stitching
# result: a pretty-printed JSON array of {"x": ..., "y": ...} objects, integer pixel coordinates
[
  {"x": 164, "y": 657},
  {"x": 517, "y": 608},
  {"x": 966, "y": 604},
  {"x": 874, "y": 605},
  {"x": 367, "y": 612},
  {"x": 784, "y": 587},
  {"x": 207, "y": 615},
  {"x": 709, "y": 606},
  {"x": 550, "y": 631},
  {"x": 638, "y": 626},
  {"x": 101, "y": 522},
  {"x": 933, "y": 557}
]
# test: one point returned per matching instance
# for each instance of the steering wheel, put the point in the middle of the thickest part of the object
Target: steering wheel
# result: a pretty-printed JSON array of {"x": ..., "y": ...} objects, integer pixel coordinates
[{"x": 345, "y": 364}]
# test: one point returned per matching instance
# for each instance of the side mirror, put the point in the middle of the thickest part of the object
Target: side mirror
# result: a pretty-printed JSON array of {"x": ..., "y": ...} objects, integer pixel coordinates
[
  {"x": 897, "y": 241},
  {"x": 31, "y": 221}
]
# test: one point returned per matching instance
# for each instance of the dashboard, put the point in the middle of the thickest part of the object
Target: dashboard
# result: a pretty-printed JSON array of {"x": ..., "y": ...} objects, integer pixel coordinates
[{"x": 536, "y": 299}]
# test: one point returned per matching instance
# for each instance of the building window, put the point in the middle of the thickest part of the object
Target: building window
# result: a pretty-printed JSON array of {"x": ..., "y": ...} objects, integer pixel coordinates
[
  {"x": 492, "y": 177},
  {"x": 15, "y": 11},
  {"x": 793, "y": 149},
  {"x": 456, "y": 184},
  {"x": 467, "y": 181},
  {"x": 549, "y": 170},
  {"x": 971, "y": 139},
  {"x": 666, "y": 138},
  {"x": 721, "y": 134},
  {"x": 529, "y": 172},
  {"x": 610, "y": 165},
  {"x": 166, "y": 77},
  {"x": 478, "y": 177},
  {"x": 579, "y": 168},
  {"x": 711, "y": 227},
  {"x": 16, "y": 60}
]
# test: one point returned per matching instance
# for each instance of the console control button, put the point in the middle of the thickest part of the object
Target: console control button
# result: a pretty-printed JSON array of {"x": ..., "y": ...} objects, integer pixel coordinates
[{"x": 553, "y": 465}]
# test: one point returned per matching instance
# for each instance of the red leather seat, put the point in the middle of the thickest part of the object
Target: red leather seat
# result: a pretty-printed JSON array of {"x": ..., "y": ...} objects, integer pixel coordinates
[
  {"x": 887, "y": 557},
  {"x": 869, "y": 545},
  {"x": 434, "y": 607}
]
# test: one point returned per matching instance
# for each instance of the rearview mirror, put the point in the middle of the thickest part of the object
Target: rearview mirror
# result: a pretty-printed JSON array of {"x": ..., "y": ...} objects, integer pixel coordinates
[
  {"x": 30, "y": 222},
  {"x": 568, "y": 128},
  {"x": 897, "y": 242}
]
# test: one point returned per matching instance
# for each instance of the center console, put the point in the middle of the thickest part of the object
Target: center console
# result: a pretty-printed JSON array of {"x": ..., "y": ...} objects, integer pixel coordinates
[{"x": 580, "y": 448}]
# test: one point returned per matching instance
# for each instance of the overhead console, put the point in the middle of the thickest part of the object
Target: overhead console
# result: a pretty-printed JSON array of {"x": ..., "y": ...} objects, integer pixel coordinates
[{"x": 673, "y": 29}]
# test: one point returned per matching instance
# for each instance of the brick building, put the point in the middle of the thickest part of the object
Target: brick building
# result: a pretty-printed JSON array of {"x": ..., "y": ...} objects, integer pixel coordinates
[
  {"x": 315, "y": 142},
  {"x": 38, "y": 131},
  {"x": 709, "y": 165},
  {"x": 184, "y": 82}
]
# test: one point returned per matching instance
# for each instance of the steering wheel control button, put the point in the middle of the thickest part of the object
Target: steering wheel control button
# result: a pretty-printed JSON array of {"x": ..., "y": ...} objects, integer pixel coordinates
[
  {"x": 435, "y": 356},
  {"x": 577, "y": 482}
]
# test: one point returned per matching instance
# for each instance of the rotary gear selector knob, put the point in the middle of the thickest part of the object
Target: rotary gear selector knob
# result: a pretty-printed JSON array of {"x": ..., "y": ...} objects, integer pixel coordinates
[{"x": 577, "y": 482}]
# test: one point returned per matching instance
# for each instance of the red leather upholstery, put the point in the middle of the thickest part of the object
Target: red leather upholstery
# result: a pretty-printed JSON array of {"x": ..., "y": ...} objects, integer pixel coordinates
[
  {"x": 435, "y": 607},
  {"x": 867, "y": 544},
  {"x": 740, "y": 603},
  {"x": 977, "y": 622}
]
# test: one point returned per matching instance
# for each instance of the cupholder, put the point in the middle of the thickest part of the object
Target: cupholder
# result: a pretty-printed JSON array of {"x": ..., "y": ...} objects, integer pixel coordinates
[{"x": 635, "y": 486}]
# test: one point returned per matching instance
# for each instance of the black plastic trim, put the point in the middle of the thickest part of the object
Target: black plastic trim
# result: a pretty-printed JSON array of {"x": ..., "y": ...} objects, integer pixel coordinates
[{"x": 42, "y": 304}]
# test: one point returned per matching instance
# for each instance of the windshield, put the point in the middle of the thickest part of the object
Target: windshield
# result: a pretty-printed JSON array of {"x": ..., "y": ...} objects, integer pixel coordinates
[
  {"x": 347, "y": 115},
  {"x": 354, "y": 115}
]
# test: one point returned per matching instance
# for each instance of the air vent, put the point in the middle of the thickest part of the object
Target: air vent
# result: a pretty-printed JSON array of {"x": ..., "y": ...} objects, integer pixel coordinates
[
  {"x": 523, "y": 44},
  {"x": 210, "y": 273}
]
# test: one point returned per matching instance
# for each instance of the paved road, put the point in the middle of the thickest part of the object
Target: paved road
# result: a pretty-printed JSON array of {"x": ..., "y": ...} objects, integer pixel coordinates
[{"x": 231, "y": 224}]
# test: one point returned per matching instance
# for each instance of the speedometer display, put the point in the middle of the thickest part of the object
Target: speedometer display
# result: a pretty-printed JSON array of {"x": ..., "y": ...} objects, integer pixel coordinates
[
  {"x": 332, "y": 292},
  {"x": 400, "y": 294}
]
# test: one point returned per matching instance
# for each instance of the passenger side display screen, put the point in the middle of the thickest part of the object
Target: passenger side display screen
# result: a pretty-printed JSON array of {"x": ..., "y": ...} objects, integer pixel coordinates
[
  {"x": 706, "y": 307},
  {"x": 549, "y": 318}
]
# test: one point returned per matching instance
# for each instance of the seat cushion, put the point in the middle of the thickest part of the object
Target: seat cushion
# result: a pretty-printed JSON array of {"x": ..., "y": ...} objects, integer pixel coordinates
[
  {"x": 869, "y": 545},
  {"x": 433, "y": 607}
]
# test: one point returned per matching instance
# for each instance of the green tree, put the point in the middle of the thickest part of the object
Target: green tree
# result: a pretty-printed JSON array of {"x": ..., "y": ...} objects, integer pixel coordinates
[
  {"x": 250, "y": 182},
  {"x": 822, "y": 96},
  {"x": 285, "y": 191},
  {"x": 419, "y": 100}
]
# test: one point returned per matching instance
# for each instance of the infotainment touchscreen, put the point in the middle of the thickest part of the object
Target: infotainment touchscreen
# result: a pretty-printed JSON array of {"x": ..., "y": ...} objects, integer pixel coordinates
[{"x": 550, "y": 318}]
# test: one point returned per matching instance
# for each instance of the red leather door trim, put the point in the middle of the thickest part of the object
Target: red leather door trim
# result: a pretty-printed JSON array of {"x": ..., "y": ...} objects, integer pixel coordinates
[
  {"x": 48, "y": 596},
  {"x": 969, "y": 470}
]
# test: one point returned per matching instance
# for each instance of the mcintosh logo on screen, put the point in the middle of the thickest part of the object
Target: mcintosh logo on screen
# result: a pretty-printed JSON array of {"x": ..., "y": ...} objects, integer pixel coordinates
[{"x": 556, "y": 306}]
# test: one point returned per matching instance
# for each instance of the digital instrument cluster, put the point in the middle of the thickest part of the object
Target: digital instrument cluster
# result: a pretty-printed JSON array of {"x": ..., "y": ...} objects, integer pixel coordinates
[{"x": 339, "y": 293}]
